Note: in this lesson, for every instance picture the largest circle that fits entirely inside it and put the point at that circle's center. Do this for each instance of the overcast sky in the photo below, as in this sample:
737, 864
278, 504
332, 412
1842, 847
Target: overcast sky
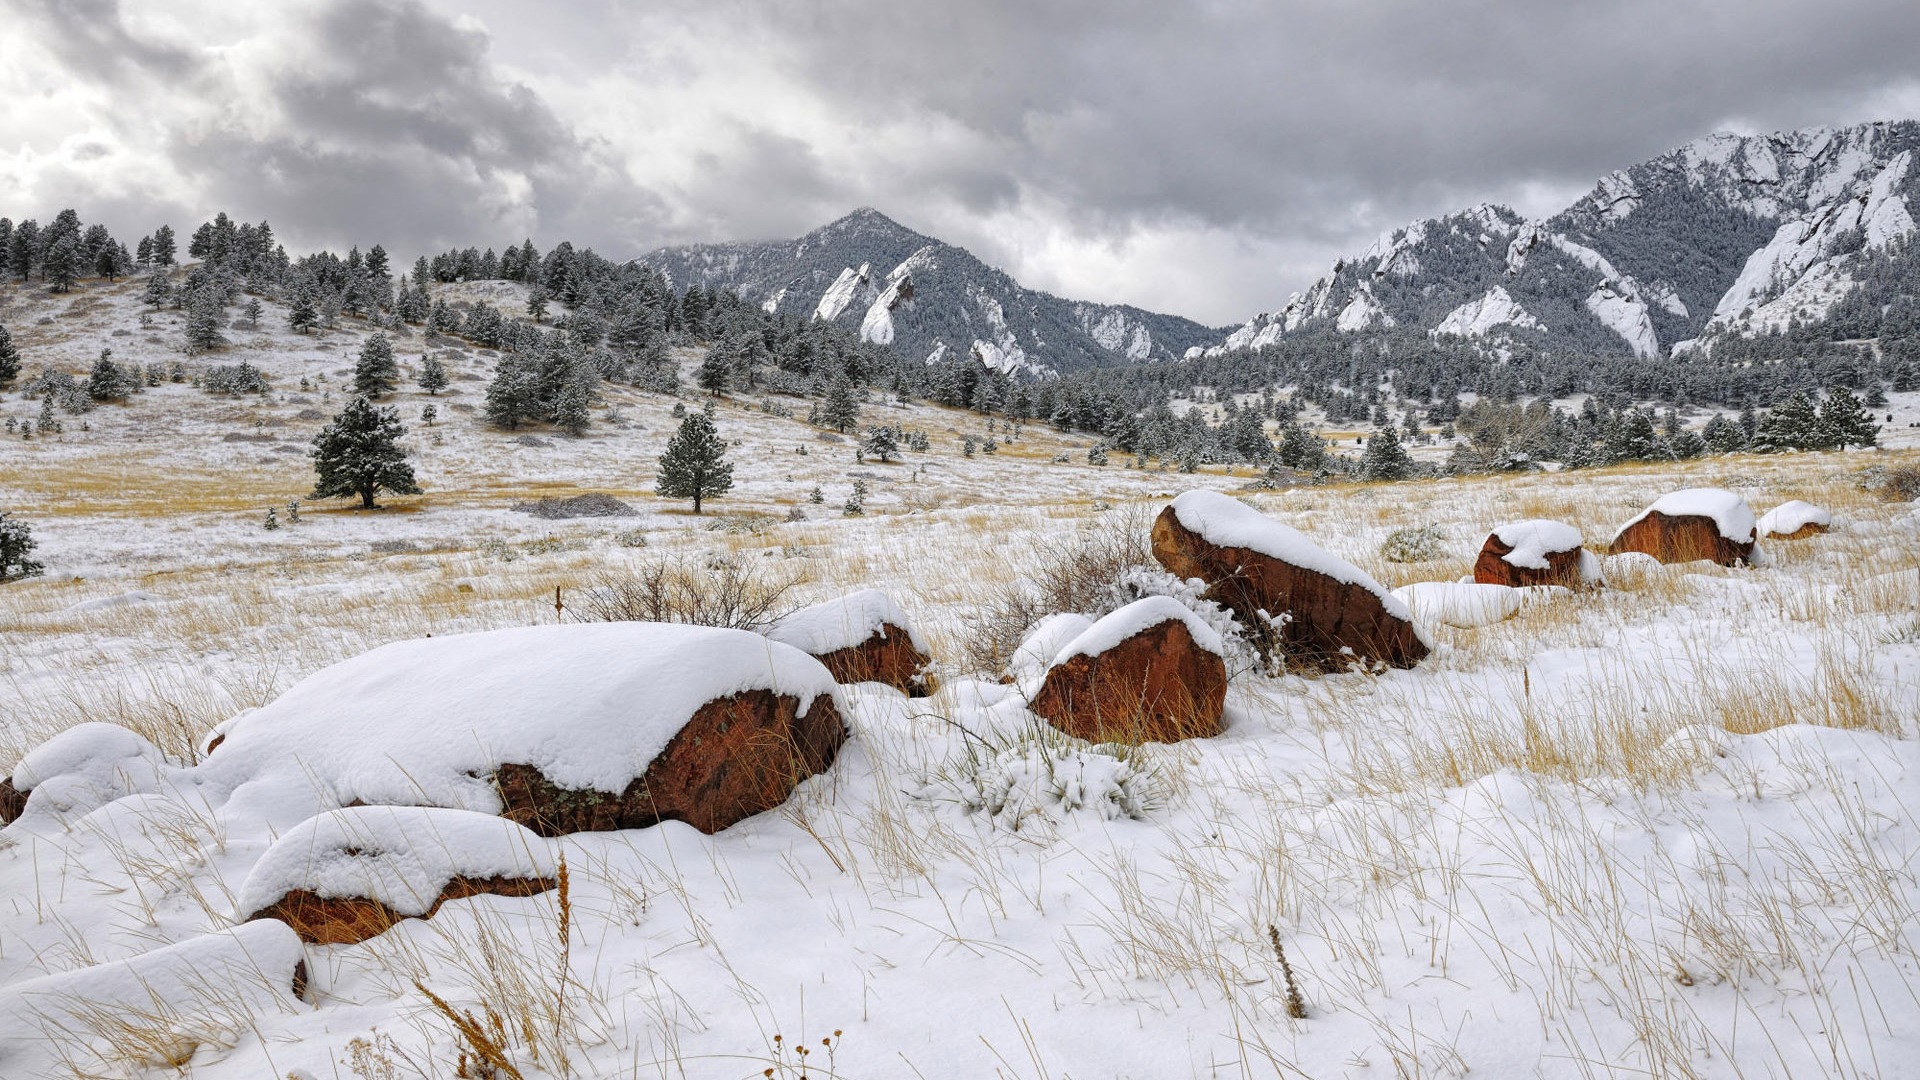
1205, 159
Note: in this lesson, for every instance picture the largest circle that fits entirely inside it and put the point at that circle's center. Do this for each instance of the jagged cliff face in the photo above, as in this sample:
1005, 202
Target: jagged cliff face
928, 299
1727, 234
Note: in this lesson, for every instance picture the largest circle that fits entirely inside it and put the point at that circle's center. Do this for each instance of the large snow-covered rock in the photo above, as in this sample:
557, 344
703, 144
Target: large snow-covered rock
1335, 613
1794, 520
1691, 525
861, 637
202, 993
1535, 552
1149, 672
1478, 318
349, 874
561, 728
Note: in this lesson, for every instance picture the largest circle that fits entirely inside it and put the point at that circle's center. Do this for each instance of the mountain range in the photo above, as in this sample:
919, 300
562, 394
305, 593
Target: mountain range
1726, 235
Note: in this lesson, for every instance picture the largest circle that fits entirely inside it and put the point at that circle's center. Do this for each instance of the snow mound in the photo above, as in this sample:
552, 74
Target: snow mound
1730, 513
402, 856
1045, 641
428, 722
1534, 539
86, 767
1790, 517
1143, 614
843, 623
204, 992
1224, 521
1458, 604
1035, 778
105, 603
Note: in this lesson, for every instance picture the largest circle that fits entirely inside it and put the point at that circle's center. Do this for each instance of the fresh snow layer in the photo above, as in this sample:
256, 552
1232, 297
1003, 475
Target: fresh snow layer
843, 623
203, 992
1465, 605
1791, 517
1626, 315
106, 603
1532, 541
1476, 318
1141, 615
402, 856
427, 722
1730, 512
84, 767
1044, 642
1224, 521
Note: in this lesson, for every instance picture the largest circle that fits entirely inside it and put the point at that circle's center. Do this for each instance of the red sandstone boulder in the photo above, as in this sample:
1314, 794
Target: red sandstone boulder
558, 728
347, 875
860, 637
1794, 520
1150, 672
1689, 526
1336, 613
1536, 552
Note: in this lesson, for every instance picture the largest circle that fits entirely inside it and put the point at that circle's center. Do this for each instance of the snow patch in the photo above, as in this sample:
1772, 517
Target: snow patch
1477, 317
1139, 616
1464, 605
843, 623
1533, 540
1362, 310
1044, 642
1627, 317
1790, 517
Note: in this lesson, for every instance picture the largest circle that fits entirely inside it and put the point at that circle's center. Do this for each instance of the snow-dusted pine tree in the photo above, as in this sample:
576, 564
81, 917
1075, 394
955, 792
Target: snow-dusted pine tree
16, 543
1385, 458
1843, 422
359, 454
376, 372
695, 465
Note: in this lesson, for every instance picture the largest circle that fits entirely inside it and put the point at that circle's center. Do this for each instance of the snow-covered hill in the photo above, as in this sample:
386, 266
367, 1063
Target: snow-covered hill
928, 299
1727, 234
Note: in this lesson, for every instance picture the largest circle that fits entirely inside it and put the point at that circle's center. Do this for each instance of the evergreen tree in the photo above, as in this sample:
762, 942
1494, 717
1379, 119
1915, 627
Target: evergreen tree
433, 375
1843, 422
1794, 424
1385, 458
695, 466
1723, 436
159, 290
203, 320
9, 359
513, 395
16, 543
252, 311
359, 454
570, 408
61, 267
302, 313
376, 372
881, 442
841, 409
109, 381
537, 303
1630, 437
163, 246
1302, 449
714, 371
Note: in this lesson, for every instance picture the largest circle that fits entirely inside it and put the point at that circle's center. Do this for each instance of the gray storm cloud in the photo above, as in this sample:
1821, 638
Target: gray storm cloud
1198, 158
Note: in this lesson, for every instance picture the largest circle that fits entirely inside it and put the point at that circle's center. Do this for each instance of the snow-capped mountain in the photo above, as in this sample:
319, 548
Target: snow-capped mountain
1726, 235
929, 300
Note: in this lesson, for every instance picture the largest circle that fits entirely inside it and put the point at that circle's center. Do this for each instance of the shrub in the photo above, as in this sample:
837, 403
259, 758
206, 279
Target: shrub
1423, 544
1075, 571
726, 592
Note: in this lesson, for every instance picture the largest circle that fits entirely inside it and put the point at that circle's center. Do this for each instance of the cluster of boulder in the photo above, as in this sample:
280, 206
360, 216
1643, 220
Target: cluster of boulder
426, 771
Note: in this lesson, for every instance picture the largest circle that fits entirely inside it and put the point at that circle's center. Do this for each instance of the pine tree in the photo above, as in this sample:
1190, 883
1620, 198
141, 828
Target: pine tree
16, 543
1385, 458
302, 313
62, 266
163, 246
252, 311
1723, 436
203, 321
537, 303
273, 520
841, 410
1793, 424
159, 289
695, 466
714, 372
109, 381
1301, 449
881, 442
1843, 422
1631, 438
433, 375
513, 395
9, 359
571, 408
359, 454
376, 372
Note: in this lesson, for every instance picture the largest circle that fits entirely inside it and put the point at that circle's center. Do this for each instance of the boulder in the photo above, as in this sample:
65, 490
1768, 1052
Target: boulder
1691, 525
1794, 520
860, 637
558, 728
1149, 672
347, 875
1536, 552
1336, 612
79, 770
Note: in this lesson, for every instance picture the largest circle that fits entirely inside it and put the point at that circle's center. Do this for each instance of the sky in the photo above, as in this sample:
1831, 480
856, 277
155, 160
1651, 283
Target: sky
1205, 159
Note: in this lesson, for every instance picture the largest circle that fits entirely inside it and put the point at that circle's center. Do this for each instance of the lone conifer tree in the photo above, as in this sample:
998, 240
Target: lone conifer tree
16, 543
9, 359
695, 466
375, 372
1385, 458
359, 454
433, 375
841, 410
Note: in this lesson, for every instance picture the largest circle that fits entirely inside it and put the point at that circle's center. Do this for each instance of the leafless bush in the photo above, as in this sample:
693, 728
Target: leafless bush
1897, 483
733, 592
1075, 571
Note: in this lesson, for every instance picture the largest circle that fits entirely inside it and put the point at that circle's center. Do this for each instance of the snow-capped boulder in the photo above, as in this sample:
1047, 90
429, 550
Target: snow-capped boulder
1794, 520
1149, 672
860, 637
1690, 525
79, 770
1535, 552
349, 874
1044, 642
1336, 613
1462, 604
199, 990
560, 728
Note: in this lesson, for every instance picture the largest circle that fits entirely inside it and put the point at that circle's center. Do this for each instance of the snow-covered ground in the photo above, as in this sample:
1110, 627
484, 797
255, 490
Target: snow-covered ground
1667, 827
